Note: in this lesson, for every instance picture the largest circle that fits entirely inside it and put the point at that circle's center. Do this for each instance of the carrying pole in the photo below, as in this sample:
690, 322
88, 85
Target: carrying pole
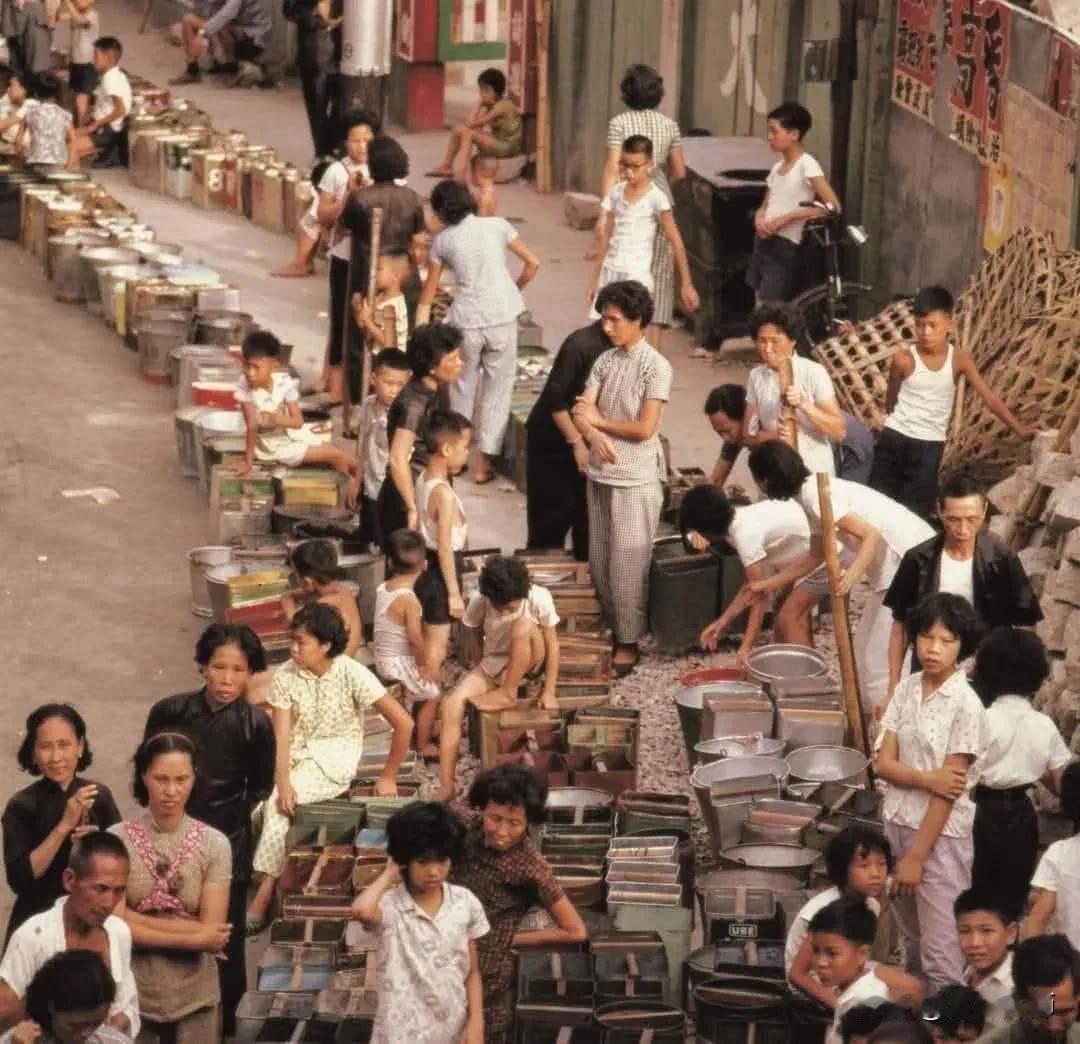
849, 680
786, 373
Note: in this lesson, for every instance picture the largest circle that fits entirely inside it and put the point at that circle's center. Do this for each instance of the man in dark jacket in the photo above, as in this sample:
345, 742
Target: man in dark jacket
963, 560
234, 745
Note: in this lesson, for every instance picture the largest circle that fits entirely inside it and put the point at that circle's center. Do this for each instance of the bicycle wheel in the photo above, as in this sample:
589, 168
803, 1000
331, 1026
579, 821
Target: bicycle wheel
856, 303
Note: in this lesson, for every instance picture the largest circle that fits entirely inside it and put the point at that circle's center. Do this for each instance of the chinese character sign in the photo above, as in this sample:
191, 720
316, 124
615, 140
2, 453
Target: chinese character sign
915, 67
976, 34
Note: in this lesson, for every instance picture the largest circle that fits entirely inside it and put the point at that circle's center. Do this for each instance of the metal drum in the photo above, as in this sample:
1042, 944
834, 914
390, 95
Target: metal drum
185, 362
65, 262
91, 261
59, 215
158, 333
36, 199
200, 561
223, 328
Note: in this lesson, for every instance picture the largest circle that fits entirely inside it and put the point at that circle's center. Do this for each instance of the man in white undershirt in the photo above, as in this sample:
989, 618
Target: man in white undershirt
964, 560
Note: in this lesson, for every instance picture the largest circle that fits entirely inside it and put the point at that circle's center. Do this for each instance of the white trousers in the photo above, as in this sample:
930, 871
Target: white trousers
870, 642
485, 388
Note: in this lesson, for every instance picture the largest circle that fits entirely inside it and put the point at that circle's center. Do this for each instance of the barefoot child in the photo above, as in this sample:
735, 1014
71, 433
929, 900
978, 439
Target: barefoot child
494, 127
315, 562
375, 323
840, 938
518, 639
309, 233
858, 861
270, 399
932, 732
400, 654
919, 401
390, 372
484, 169
319, 701
427, 932
633, 213
441, 521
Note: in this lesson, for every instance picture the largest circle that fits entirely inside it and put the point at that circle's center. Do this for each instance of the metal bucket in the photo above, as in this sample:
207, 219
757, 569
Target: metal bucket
690, 703
91, 261
113, 280
724, 819
827, 765
188, 361
213, 424
200, 561
158, 333
65, 265
187, 450
217, 585
708, 751
223, 328
776, 662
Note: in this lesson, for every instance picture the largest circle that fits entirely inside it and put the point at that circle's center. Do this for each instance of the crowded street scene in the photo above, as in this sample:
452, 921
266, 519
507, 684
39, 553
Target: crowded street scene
560, 521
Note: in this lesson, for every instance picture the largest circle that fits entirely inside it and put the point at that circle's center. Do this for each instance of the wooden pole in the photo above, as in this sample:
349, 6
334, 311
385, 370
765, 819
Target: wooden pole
849, 681
367, 349
786, 373
543, 107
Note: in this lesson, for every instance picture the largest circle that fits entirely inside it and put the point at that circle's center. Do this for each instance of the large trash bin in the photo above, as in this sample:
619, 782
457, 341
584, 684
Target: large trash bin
714, 209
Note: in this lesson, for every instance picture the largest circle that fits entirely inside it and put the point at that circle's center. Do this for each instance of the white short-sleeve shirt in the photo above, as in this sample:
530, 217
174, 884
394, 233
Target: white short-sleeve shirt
423, 963
114, 84
1022, 745
950, 721
537, 606
800, 927
763, 394
1059, 872
633, 233
792, 191
335, 182
900, 529
42, 936
773, 532
997, 990
374, 445
867, 989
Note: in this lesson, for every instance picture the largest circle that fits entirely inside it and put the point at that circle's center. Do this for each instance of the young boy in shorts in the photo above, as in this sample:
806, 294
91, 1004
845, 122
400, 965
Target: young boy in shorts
781, 219
494, 127
519, 639
82, 76
100, 137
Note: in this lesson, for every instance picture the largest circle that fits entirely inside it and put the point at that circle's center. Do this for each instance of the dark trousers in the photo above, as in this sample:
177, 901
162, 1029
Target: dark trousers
1006, 838
555, 501
232, 972
391, 509
906, 469
369, 520
314, 57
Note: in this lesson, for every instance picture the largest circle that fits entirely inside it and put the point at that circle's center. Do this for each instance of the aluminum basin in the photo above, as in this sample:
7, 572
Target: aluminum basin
827, 765
777, 662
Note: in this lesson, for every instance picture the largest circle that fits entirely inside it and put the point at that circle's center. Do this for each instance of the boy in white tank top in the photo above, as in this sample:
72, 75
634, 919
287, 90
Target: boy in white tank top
919, 402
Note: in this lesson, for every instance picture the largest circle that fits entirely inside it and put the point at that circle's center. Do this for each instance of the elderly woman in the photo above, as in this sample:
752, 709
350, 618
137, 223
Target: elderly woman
318, 701
642, 90
41, 822
177, 897
487, 303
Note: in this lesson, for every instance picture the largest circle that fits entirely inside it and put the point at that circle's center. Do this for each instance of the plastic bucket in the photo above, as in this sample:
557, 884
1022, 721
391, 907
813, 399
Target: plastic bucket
200, 561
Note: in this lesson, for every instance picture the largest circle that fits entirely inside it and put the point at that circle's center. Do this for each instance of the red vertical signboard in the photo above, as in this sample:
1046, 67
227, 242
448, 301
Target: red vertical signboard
916, 60
521, 55
1062, 92
977, 36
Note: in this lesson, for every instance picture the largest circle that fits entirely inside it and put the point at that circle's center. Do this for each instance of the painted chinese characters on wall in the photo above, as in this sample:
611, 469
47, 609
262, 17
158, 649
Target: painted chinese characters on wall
916, 61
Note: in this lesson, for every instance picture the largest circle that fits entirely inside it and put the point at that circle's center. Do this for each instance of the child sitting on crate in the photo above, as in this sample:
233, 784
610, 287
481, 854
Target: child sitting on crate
315, 563
427, 932
270, 400
519, 640
390, 372
858, 861
502, 866
841, 935
400, 654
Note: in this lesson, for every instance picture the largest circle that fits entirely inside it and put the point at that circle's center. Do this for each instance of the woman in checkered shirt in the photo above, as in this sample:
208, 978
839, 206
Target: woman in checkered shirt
642, 91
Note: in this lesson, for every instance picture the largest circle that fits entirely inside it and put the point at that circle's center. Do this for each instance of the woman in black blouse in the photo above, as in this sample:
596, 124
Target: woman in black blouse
434, 353
41, 822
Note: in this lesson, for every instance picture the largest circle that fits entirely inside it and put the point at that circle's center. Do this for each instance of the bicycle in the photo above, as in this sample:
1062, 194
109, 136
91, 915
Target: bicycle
837, 303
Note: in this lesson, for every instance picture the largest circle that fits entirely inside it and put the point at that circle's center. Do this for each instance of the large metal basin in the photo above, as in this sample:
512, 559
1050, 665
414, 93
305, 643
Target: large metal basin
827, 765
708, 751
775, 662
788, 859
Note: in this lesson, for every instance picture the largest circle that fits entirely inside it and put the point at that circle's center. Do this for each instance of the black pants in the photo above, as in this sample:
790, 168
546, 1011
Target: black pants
906, 469
1006, 837
391, 508
232, 972
555, 501
314, 58
369, 520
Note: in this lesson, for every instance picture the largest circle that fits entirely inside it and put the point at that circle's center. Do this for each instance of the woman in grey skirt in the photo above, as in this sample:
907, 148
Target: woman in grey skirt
642, 91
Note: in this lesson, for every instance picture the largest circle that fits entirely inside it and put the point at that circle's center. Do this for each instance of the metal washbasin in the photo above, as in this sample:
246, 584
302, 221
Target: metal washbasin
776, 662
708, 751
824, 764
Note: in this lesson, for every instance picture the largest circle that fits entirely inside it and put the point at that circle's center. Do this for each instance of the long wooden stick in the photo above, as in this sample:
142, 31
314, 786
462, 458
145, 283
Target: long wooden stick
786, 373
543, 107
367, 348
849, 680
